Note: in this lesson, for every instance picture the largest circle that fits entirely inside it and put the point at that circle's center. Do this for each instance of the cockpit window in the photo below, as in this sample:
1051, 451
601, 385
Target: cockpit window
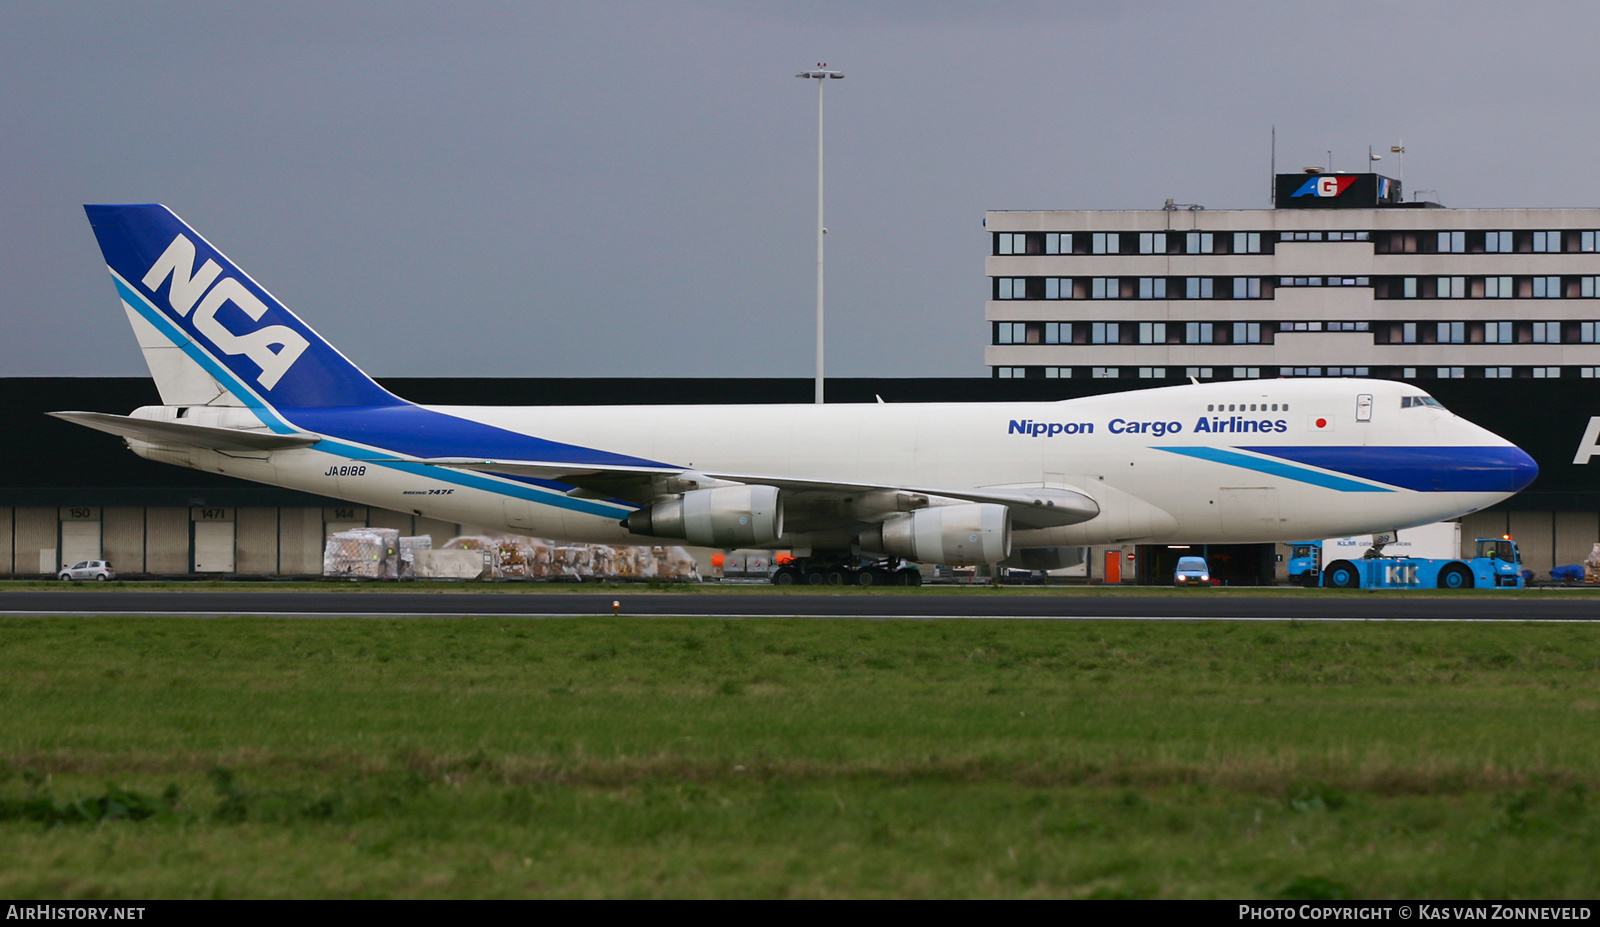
1417, 402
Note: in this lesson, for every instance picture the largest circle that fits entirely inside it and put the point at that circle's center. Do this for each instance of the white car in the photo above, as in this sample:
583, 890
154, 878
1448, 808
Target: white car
88, 569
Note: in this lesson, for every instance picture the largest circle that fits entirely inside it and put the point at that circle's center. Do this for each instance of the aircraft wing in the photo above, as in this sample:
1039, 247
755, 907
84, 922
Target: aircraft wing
207, 436
1031, 507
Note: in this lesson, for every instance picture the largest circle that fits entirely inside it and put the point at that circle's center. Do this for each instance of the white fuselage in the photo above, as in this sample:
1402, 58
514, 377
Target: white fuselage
1156, 472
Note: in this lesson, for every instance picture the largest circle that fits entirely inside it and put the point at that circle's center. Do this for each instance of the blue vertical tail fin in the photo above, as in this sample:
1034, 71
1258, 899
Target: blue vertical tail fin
212, 335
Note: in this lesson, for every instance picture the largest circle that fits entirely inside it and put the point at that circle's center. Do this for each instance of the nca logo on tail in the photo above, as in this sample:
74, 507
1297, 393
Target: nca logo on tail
1324, 186
190, 286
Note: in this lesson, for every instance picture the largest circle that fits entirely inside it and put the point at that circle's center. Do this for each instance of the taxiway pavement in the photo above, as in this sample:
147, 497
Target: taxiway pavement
971, 604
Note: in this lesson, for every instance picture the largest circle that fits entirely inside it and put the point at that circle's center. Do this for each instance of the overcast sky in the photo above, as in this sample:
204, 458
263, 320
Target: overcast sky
628, 189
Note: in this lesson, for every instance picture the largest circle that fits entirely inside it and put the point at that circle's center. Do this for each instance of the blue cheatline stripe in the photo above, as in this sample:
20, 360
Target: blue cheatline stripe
464, 478
1273, 467
473, 480
178, 337
1470, 468
400, 428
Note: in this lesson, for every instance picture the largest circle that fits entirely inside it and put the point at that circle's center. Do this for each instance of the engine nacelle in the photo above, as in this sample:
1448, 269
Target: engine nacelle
728, 516
956, 535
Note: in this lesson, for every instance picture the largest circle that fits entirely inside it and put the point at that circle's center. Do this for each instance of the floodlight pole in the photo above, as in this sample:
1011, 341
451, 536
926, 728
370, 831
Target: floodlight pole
821, 75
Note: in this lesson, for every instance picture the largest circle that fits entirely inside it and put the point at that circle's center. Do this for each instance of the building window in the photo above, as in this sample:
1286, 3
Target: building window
1547, 373
1246, 287
1452, 373
1104, 373
1497, 373
1586, 332
1106, 243
1300, 326
1011, 243
1058, 288
1197, 333
1152, 333
1058, 373
1058, 243
1058, 333
1497, 333
1246, 242
1105, 288
1587, 371
1547, 241
1585, 241
1104, 333
1452, 242
1152, 242
1199, 243
1197, 288
1497, 242
1011, 288
1246, 373
1349, 236
1347, 371
1587, 288
1011, 333
1152, 373
1011, 373
1152, 287
1247, 333
1547, 333
1408, 333
1452, 288
1408, 288
1197, 373
1349, 326
1546, 287
1498, 288
1452, 333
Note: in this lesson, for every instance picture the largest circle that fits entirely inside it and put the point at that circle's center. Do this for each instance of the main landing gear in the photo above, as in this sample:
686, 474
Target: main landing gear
816, 571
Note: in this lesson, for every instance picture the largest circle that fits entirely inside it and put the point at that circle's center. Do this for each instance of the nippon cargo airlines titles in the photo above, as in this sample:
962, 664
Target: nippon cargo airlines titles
1234, 424
248, 389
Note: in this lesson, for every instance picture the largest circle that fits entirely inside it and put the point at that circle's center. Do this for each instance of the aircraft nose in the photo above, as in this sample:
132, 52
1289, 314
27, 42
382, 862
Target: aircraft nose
1520, 469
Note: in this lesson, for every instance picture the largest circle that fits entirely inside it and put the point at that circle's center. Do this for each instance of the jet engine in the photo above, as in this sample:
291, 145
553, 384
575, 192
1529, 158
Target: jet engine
975, 532
727, 516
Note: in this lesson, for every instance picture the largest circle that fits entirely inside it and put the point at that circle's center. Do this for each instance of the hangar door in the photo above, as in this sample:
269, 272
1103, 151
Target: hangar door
80, 534
213, 539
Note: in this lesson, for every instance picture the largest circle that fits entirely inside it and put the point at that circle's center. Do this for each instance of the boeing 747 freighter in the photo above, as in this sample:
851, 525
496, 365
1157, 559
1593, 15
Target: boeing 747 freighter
250, 390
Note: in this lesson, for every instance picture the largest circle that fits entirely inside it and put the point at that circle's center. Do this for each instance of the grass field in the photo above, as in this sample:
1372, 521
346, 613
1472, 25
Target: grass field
617, 757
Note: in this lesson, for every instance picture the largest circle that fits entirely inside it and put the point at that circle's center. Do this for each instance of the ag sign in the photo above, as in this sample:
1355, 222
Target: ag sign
1335, 191
1324, 185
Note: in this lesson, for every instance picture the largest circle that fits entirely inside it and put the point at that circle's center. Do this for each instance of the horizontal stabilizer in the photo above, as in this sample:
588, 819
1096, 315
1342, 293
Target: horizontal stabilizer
207, 436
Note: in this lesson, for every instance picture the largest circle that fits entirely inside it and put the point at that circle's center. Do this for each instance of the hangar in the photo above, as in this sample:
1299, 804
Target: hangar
68, 493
